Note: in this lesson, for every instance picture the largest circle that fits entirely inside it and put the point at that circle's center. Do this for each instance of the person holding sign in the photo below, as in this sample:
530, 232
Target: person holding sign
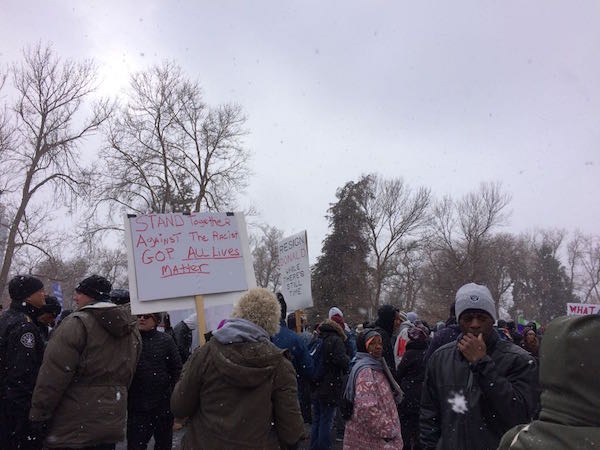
239, 390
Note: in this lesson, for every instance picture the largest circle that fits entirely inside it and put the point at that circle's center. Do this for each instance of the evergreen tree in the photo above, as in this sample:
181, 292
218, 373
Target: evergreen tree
340, 275
545, 290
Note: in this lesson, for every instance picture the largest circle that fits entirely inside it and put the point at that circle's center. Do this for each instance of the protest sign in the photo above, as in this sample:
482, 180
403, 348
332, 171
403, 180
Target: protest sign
582, 309
294, 270
175, 257
186, 254
57, 292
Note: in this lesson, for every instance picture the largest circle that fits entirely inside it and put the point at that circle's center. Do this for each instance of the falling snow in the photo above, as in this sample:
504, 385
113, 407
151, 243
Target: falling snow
458, 402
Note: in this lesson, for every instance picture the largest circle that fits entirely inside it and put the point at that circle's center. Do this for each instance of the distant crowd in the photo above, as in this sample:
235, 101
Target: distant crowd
96, 376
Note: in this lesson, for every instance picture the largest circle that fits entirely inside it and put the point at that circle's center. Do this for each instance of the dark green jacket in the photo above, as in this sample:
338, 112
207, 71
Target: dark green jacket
239, 395
82, 385
569, 370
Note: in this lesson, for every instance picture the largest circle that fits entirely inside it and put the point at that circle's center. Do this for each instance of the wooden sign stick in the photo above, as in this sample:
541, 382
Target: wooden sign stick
298, 321
200, 318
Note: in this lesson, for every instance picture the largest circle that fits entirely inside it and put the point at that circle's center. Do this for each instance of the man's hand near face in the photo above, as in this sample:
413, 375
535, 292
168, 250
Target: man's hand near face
473, 348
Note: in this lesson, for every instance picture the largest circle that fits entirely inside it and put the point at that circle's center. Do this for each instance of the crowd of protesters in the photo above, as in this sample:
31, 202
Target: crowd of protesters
96, 376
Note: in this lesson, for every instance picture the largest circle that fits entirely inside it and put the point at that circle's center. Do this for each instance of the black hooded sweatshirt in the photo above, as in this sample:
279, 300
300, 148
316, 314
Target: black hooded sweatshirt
384, 325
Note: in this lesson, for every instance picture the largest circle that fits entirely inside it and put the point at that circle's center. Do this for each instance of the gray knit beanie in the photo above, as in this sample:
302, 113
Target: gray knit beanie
475, 296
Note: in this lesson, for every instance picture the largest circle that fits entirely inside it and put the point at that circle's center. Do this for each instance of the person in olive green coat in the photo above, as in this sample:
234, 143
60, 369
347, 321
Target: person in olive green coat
80, 397
569, 369
239, 390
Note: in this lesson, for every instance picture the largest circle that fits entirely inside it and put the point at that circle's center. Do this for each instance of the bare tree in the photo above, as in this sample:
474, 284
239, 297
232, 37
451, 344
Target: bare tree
584, 265
111, 263
574, 255
394, 214
462, 244
66, 272
408, 278
265, 253
478, 213
40, 141
168, 151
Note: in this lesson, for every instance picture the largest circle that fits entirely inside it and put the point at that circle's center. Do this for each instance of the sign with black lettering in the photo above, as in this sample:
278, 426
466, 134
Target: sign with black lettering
294, 270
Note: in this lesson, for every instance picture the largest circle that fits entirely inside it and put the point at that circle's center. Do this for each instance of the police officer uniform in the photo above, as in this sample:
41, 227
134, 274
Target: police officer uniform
21, 353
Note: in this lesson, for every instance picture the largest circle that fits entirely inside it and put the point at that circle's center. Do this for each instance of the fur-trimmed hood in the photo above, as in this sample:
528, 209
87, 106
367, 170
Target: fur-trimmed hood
331, 326
259, 306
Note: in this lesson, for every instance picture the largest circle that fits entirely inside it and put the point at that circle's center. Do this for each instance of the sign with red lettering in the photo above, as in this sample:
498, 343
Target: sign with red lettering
294, 270
178, 255
582, 309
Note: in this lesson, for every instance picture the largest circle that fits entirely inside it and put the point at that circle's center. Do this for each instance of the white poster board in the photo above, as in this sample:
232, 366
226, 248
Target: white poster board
582, 309
212, 314
294, 271
215, 243
177, 254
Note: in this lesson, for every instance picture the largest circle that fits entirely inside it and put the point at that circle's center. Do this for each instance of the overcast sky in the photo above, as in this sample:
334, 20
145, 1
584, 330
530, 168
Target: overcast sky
444, 94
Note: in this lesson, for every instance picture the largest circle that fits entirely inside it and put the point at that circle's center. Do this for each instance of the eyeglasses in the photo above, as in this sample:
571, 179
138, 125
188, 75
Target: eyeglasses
145, 316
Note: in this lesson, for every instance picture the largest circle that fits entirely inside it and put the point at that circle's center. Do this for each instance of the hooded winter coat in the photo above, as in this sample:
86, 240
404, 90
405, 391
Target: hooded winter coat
468, 406
374, 424
569, 368
234, 388
87, 368
335, 363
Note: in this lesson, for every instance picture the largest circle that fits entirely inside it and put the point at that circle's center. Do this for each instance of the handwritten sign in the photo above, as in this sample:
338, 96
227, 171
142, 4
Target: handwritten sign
177, 255
295, 271
582, 309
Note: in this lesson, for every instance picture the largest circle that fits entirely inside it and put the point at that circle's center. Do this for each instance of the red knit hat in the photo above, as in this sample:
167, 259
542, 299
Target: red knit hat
338, 319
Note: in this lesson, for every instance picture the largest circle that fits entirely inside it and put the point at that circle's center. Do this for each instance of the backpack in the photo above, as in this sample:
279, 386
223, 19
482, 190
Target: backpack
315, 350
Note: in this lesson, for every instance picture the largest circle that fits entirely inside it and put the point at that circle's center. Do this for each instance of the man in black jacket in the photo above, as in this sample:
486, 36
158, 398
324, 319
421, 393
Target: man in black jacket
47, 315
447, 334
477, 387
328, 389
182, 333
387, 324
157, 372
21, 353
410, 374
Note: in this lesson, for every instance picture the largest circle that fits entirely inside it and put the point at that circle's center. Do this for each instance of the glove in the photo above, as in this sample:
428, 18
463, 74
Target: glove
38, 430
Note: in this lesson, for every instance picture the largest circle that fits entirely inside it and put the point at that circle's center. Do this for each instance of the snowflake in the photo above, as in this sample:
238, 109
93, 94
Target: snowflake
458, 402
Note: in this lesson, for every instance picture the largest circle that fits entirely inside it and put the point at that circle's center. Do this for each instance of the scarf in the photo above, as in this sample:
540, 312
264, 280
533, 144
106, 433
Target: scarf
363, 361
